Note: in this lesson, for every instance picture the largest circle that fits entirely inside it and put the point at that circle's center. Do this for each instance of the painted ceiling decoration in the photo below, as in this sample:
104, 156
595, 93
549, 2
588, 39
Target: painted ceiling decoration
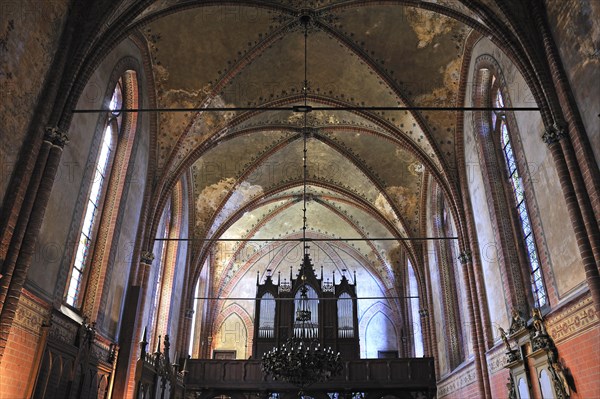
369, 169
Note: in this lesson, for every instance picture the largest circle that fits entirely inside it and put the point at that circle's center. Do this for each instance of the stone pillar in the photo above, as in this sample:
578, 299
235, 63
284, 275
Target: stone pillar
58, 140
552, 138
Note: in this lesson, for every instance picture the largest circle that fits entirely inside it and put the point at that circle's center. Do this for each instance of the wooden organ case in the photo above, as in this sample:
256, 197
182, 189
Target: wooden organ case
333, 307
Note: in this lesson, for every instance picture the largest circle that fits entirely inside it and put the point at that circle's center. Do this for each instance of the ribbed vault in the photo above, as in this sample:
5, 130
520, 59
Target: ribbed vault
365, 168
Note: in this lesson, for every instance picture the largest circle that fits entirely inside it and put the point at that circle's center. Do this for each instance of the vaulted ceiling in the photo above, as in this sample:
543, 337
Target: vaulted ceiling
367, 170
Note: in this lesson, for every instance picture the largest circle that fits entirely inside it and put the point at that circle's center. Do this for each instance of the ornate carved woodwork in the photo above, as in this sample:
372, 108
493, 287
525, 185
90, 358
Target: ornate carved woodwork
76, 362
334, 309
375, 378
535, 361
156, 376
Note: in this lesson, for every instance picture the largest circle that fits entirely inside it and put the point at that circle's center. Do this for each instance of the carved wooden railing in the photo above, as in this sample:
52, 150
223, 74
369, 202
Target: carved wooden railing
208, 378
156, 376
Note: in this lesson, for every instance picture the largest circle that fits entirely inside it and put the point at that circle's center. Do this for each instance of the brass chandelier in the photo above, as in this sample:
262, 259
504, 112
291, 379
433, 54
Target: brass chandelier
301, 360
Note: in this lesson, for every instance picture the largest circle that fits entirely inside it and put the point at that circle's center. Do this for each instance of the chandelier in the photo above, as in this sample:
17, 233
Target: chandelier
301, 360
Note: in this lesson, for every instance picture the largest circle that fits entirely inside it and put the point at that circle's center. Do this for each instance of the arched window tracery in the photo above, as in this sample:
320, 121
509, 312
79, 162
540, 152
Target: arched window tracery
520, 252
500, 126
93, 207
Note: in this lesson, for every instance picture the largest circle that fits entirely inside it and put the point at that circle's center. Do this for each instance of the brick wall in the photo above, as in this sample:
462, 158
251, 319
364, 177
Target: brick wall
17, 363
469, 392
498, 383
17, 369
581, 355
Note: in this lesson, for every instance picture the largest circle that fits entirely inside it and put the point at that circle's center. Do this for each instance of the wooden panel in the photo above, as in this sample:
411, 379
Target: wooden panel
414, 375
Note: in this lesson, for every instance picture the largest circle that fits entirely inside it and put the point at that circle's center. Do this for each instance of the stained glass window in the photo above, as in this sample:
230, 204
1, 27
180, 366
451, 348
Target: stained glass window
101, 171
516, 182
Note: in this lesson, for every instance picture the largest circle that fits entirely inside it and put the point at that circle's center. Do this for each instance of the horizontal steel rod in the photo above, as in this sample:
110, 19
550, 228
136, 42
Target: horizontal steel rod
308, 239
305, 110
310, 299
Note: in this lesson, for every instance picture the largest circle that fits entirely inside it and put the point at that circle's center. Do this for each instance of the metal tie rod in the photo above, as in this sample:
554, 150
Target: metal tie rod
310, 299
305, 109
308, 239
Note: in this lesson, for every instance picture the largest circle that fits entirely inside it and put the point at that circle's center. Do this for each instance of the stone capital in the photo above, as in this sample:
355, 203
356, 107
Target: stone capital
555, 133
147, 257
465, 257
56, 136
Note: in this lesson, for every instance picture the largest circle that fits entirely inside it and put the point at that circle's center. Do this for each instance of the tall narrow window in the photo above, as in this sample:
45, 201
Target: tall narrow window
413, 292
102, 170
500, 126
194, 317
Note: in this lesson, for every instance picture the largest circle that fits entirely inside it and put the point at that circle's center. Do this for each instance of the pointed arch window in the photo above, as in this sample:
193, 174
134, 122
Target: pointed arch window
94, 200
500, 126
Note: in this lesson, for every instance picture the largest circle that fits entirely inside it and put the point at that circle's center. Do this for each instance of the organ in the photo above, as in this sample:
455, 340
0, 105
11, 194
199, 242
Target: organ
333, 319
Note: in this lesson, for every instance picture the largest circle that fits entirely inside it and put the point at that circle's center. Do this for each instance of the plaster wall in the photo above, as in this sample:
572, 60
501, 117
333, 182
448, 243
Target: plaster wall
233, 336
25, 58
381, 335
575, 26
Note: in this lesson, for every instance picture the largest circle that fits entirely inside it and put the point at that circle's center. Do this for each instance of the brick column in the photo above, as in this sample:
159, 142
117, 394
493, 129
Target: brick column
424, 316
427, 303
476, 336
475, 265
552, 137
126, 389
58, 139
23, 218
